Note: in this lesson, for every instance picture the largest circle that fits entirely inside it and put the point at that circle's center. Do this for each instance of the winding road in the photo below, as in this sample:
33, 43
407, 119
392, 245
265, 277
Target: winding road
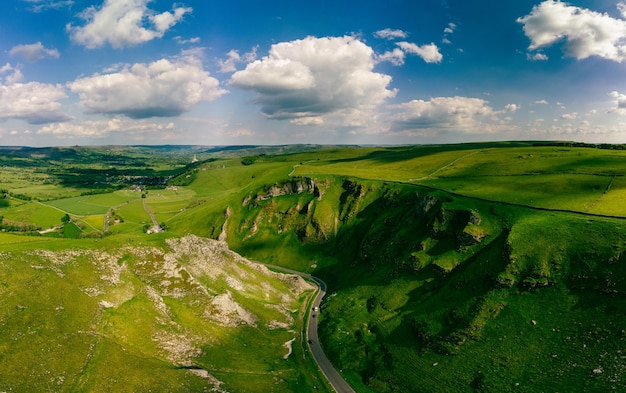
334, 378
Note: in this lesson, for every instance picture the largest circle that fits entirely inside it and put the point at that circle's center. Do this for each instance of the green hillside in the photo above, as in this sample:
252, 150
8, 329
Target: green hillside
476, 267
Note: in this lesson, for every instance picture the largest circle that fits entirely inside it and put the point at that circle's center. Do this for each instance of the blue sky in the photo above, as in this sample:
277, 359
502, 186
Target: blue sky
247, 72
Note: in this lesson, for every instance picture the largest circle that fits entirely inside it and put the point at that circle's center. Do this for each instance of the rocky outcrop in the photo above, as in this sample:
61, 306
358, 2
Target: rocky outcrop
295, 186
425, 204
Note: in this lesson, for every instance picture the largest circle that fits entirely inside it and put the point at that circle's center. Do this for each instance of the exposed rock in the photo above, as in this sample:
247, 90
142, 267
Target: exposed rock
425, 204
295, 186
226, 312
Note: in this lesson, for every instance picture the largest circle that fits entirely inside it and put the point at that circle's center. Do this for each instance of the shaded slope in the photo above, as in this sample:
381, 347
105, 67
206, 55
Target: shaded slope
448, 293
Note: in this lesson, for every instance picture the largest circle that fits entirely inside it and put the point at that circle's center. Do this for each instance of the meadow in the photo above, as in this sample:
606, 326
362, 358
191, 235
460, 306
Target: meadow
476, 267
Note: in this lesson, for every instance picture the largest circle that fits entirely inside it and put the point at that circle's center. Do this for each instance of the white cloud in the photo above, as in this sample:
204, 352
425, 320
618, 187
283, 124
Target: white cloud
511, 107
536, 56
448, 31
621, 6
429, 53
34, 102
585, 32
620, 103
160, 89
450, 28
230, 63
14, 74
462, 114
390, 34
123, 23
132, 129
33, 52
315, 77
395, 57
541, 102
42, 5
308, 121
181, 40
570, 116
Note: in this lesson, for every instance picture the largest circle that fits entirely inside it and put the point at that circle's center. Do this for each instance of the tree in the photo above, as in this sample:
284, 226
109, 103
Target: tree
66, 218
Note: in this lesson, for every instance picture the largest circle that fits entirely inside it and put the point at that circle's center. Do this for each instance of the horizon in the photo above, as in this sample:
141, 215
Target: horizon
159, 72
252, 145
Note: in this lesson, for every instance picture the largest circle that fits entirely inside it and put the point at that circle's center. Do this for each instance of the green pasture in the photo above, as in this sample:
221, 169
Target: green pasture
168, 203
216, 181
27, 181
391, 164
554, 191
94, 204
613, 201
553, 177
36, 213
498, 161
95, 222
134, 216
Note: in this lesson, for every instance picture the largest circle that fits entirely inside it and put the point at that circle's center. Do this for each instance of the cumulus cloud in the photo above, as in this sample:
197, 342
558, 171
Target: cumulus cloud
33, 52
511, 107
33, 102
585, 32
123, 23
233, 58
306, 80
536, 56
462, 114
395, 57
620, 103
13, 75
103, 128
160, 89
390, 34
429, 53
541, 102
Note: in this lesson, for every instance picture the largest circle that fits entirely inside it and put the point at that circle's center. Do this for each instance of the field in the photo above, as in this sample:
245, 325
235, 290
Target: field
477, 267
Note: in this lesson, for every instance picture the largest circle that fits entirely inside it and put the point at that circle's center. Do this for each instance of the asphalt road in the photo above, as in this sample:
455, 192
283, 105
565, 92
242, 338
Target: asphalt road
336, 380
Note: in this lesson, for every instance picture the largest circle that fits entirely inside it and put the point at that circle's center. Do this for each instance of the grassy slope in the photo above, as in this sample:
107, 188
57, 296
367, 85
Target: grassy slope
412, 309
533, 303
81, 315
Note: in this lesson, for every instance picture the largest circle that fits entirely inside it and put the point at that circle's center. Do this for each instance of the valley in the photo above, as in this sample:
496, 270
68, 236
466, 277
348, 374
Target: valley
474, 267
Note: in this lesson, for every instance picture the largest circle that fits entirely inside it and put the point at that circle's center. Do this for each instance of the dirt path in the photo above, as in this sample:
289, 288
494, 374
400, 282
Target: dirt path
447, 165
155, 224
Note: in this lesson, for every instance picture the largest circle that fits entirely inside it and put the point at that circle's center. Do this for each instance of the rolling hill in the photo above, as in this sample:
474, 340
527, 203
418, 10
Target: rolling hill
475, 267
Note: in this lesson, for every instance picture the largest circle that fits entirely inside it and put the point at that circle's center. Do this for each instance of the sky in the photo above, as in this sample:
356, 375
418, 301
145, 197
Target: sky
241, 72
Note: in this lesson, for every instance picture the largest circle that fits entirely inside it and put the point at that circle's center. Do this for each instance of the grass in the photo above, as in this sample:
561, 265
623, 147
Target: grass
555, 191
93, 204
440, 279
59, 296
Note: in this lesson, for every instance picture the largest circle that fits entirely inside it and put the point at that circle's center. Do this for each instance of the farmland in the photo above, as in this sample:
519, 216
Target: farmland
474, 267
